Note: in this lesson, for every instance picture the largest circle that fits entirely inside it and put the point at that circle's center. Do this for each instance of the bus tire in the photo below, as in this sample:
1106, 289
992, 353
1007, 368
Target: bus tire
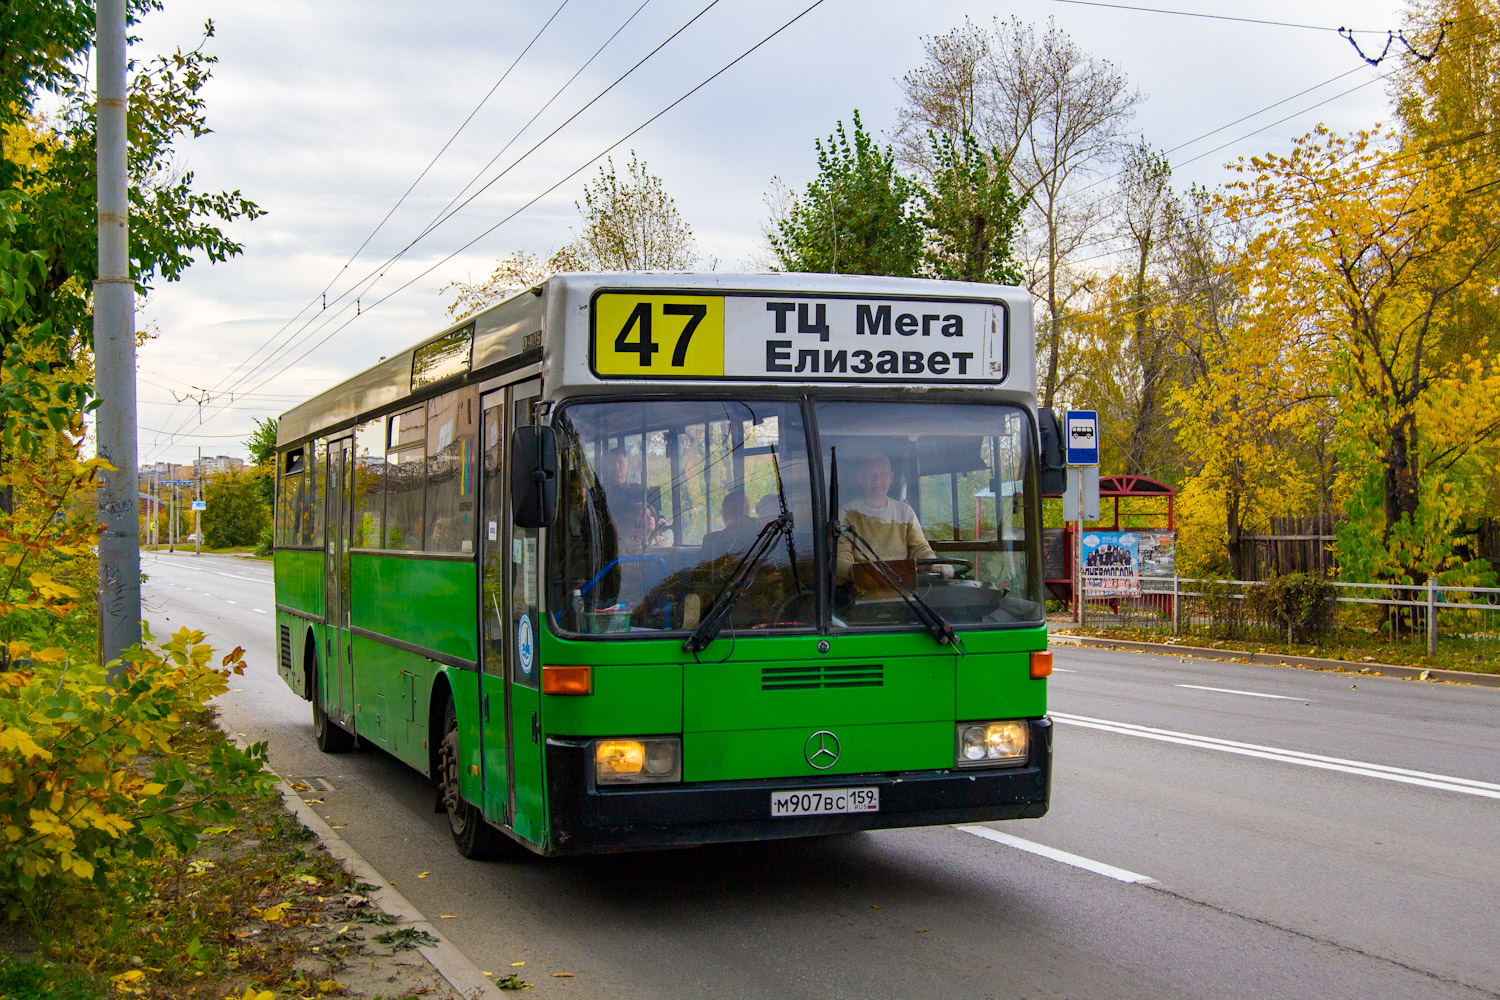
472, 833
330, 736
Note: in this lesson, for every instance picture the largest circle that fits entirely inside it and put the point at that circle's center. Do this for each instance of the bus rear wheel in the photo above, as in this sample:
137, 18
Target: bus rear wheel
330, 736
472, 834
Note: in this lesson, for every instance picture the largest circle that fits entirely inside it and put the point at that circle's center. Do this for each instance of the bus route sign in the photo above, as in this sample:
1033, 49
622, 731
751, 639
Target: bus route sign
789, 337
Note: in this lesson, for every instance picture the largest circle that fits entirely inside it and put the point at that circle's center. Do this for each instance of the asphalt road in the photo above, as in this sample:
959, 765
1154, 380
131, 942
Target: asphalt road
1217, 830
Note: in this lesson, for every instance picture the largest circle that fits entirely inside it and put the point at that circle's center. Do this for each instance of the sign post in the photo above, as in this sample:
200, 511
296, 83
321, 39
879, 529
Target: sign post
1082, 432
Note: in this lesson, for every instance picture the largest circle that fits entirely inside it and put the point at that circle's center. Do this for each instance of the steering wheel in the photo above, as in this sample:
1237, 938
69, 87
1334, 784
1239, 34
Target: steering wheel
961, 567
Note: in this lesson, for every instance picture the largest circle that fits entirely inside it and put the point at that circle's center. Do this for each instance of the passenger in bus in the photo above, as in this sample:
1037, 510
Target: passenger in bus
768, 507
618, 488
739, 528
639, 529
888, 525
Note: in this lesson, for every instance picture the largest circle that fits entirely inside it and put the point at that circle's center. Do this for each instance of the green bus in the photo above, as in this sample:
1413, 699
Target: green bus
643, 560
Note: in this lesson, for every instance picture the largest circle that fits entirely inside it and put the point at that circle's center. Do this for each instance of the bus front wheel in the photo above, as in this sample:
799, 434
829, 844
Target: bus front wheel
473, 836
331, 737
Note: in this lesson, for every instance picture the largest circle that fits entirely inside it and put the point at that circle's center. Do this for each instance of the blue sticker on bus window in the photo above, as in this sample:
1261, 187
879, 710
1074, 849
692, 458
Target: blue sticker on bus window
525, 645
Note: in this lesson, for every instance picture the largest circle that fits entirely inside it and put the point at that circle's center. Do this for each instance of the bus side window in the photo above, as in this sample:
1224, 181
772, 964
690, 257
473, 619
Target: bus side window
405, 480
311, 530
450, 472
369, 485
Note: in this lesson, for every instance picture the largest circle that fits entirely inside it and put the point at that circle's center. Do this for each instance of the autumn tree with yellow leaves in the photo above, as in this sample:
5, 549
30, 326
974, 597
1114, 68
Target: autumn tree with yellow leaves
1361, 270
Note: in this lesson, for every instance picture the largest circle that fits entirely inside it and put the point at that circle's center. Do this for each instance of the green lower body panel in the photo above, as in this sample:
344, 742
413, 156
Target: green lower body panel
845, 749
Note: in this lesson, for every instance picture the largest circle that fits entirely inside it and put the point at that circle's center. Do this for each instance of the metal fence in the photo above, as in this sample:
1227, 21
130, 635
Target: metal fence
1460, 623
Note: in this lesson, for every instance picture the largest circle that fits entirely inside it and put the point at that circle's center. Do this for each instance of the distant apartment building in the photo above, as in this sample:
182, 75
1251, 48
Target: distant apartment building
222, 463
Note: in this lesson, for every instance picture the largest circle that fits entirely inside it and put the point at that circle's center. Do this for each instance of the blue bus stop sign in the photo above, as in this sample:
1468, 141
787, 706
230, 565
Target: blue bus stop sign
1083, 437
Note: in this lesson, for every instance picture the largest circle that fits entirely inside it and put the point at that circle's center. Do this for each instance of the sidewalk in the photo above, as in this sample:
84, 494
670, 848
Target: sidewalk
1282, 660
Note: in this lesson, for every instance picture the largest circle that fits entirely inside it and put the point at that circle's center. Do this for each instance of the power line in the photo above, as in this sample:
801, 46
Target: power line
158, 430
1377, 79
386, 218
1218, 17
376, 273
575, 172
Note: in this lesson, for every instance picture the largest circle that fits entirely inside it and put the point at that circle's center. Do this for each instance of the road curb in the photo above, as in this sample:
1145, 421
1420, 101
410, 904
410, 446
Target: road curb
1279, 660
450, 963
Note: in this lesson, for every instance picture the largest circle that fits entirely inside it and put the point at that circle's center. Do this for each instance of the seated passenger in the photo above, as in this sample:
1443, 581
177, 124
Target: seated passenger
739, 528
639, 528
889, 526
768, 507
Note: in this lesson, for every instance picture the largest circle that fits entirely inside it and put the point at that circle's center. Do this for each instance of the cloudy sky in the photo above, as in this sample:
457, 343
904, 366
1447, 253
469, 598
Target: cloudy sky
326, 112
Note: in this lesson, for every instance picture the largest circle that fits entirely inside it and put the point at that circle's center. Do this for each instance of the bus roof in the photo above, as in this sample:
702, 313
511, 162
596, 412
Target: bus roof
623, 330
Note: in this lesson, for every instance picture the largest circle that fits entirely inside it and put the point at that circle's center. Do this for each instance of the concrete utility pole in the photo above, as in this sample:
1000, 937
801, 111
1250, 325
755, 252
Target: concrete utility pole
114, 353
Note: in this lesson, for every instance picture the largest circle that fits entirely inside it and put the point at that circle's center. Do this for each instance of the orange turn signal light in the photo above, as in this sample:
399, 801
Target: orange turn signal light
567, 680
1041, 664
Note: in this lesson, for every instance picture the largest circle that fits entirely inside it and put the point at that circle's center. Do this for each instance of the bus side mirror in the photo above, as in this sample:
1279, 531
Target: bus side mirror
1052, 470
533, 476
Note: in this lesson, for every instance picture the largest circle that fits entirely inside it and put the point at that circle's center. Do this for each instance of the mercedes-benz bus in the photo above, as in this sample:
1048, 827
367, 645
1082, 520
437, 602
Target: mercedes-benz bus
640, 560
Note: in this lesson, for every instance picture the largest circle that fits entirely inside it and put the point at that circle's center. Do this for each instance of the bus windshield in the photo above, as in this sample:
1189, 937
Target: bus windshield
936, 492
662, 499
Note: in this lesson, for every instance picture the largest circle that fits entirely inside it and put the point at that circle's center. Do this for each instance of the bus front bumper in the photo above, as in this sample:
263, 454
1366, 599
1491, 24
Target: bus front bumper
585, 819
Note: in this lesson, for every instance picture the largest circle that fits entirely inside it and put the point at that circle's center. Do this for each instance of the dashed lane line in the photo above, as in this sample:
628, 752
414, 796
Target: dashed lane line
1053, 854
1248, 694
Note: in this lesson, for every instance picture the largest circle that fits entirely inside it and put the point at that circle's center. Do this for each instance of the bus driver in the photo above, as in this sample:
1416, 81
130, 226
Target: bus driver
887, 524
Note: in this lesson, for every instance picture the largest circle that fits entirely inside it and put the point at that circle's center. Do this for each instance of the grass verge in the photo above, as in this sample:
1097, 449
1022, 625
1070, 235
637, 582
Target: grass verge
257, 911
1451, 654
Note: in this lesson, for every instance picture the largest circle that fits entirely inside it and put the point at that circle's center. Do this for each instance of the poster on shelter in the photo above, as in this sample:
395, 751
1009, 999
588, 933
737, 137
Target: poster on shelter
1158, 554
1111, 564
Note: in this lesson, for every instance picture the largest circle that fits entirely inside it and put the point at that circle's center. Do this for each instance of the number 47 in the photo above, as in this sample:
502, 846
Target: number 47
644, 345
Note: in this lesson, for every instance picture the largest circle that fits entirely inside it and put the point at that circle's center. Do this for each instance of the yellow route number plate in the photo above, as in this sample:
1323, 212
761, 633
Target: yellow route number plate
658, 336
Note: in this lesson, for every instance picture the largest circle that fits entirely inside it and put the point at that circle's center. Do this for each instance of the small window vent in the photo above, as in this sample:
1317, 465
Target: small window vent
286, 650
817, 676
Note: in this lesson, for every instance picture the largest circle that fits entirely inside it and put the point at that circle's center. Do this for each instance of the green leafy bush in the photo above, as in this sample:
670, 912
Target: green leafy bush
1299, 605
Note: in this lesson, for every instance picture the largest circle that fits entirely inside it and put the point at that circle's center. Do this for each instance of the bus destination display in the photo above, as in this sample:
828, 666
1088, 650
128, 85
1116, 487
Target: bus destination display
796, 338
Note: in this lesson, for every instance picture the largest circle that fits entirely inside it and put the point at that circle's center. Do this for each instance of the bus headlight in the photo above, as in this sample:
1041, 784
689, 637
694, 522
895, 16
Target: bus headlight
982, 743
643, 761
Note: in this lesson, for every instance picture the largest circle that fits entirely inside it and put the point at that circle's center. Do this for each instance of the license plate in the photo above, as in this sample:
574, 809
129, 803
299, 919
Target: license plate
825, 801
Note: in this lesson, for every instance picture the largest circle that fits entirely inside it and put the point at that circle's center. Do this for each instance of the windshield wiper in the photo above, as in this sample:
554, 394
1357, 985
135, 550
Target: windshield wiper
931, 620
718, 609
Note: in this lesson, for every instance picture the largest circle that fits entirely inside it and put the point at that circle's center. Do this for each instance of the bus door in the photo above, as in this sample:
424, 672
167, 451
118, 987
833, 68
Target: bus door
337, 654
523, 646
510, 668
494, 693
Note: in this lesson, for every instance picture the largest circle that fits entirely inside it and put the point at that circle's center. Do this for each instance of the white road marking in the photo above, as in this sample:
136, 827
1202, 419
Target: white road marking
1052, 853
228, 601
236, 576
259, 611
1248, 694
1063, 670
1441, 782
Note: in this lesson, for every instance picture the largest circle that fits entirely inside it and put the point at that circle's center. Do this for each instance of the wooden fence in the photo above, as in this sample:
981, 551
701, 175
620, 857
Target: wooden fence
1293, 545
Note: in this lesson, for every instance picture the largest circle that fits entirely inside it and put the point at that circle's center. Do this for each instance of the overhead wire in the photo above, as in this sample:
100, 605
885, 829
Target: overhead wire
375, 274
443, 217
555, 185
1376, 79
411, 187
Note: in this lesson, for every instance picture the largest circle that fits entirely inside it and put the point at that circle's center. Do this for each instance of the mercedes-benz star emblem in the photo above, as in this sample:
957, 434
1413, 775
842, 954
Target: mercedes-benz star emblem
822, 750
